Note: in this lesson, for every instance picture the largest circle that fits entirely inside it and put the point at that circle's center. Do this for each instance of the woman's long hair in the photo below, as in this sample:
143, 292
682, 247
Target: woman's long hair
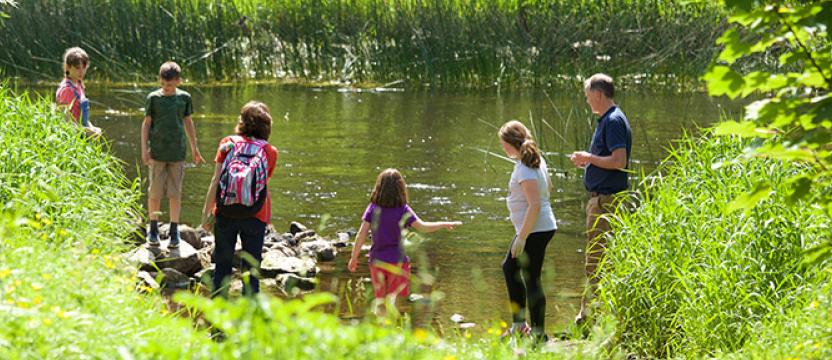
517, 135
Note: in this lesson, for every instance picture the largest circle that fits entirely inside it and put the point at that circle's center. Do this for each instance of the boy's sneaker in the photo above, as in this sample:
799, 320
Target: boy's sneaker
174, 241
153, 240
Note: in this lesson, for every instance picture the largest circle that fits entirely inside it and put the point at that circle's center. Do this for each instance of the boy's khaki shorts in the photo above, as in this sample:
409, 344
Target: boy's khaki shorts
166, 179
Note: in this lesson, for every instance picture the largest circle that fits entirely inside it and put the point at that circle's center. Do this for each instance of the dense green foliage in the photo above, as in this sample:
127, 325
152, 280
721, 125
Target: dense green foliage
481, 43
685, 278
793, 105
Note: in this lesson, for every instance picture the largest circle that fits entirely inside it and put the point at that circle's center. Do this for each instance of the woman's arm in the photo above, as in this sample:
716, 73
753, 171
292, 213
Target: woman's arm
532, 194
211, 199
431, 226
360, 238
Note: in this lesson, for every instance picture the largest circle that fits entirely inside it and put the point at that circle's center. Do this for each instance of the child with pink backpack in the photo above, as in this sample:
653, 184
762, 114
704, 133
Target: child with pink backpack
238, 201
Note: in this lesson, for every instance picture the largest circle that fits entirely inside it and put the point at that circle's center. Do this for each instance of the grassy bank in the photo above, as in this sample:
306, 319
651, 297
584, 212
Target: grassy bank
66, 210
689, 278
478, 43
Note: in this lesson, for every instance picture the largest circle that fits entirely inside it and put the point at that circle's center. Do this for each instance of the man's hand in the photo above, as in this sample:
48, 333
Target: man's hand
580, 158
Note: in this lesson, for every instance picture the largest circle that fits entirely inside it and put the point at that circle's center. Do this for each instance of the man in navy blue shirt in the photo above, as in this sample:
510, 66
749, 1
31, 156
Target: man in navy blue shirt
606, 175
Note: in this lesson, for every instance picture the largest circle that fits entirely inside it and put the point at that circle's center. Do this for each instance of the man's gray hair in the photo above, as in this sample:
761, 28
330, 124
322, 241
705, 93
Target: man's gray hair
600, 82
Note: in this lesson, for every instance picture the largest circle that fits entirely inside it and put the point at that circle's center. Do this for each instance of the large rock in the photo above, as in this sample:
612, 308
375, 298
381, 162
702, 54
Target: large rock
284, 250
276, 263
147, 280
304, 236
323, 250
288, 282
184, 259
173, 279
296, 227
191, 236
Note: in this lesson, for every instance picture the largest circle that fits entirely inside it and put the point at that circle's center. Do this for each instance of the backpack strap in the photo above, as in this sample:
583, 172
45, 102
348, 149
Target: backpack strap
74, 89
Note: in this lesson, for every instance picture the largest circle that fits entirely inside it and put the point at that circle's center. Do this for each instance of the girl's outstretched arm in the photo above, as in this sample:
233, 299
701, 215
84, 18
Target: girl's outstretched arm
431, 226
360, 238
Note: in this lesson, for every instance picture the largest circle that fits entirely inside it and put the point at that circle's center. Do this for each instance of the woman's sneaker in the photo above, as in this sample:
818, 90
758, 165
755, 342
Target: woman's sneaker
521, 331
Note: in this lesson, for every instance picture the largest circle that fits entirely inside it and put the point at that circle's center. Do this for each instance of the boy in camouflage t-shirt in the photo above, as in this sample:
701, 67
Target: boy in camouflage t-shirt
167, 120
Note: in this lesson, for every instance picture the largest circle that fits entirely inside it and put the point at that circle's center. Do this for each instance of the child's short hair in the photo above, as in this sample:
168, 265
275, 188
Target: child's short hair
255, 121
390, 190
170, 71
76, 56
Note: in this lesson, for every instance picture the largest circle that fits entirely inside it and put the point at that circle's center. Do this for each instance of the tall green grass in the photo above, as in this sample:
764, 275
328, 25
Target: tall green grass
479, 43
688, 278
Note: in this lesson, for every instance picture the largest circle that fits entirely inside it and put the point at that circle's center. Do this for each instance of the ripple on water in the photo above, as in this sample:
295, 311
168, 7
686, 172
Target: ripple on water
420, 186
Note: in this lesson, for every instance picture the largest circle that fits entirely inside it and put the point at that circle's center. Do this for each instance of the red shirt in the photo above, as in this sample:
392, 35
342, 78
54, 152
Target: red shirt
65, 96
265, 212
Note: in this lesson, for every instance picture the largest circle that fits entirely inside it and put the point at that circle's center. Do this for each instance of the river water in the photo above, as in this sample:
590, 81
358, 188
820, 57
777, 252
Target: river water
333, 143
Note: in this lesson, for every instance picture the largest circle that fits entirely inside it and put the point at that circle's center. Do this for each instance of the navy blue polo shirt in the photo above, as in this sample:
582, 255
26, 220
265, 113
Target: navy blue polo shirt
613, 132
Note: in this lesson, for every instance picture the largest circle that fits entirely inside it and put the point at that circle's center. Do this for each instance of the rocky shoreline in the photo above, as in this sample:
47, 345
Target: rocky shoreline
289, 262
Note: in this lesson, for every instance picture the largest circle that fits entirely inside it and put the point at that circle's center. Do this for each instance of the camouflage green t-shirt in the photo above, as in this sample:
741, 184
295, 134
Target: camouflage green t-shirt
167, 127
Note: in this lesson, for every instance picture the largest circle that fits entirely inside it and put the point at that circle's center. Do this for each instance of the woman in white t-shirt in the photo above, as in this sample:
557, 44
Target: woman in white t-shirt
534, 226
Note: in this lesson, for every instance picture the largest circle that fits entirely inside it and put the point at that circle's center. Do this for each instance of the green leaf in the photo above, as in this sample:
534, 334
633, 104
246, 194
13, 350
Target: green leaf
740, 5
722, 80
734, 46
818, 254
764, 81
747, 201
743, 129
812, 78
778, 151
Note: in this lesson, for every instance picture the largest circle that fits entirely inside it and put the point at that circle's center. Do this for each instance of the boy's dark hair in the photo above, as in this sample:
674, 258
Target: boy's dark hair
75, 56
601, 82
390, 190
255, 121
170, 71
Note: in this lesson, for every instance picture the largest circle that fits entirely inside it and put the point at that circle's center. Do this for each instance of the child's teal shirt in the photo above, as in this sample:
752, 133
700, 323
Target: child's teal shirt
167, 127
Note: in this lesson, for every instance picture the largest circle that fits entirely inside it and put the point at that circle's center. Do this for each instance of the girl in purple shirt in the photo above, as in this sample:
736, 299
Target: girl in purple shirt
386, 215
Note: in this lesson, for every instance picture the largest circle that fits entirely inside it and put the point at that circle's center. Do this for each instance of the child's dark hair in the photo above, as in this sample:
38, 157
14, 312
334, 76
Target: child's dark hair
170, 71
517, 135
75, 56
255, 121
390, 190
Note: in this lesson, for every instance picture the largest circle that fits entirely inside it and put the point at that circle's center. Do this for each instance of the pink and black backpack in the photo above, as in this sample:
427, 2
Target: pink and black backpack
243, 179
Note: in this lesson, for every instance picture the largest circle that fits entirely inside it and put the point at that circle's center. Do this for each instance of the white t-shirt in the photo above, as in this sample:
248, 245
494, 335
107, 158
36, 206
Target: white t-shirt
516, 200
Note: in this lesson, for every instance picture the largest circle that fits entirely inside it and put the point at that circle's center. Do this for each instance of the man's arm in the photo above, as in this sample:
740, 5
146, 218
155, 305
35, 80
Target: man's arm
616, 161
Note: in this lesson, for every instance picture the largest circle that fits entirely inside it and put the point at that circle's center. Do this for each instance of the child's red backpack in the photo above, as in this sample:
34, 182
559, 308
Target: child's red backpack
243, 179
